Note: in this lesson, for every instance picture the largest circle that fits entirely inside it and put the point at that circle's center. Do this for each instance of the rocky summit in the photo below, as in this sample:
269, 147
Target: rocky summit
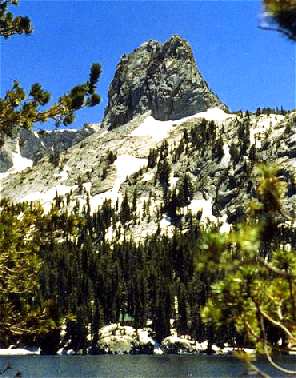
162, 78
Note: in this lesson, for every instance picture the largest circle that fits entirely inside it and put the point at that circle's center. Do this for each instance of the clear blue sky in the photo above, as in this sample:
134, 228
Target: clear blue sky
247, 67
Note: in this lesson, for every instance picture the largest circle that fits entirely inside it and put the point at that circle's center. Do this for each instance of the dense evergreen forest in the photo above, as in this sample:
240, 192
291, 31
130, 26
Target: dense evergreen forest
58, 272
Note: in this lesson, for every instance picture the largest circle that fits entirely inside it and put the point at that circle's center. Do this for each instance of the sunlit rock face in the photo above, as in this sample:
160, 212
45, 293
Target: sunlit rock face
159, 77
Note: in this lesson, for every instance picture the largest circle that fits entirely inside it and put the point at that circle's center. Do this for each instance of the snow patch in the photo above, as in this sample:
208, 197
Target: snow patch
158, 130
19, 351
87, 186
116, 338
173, 181
225, 227
165, 222
109, 234
148, 176
158, 350
182, 342
95, 127
214, 114
126, 165
20, 163
144, 337
62, 130
205, 206
226, 158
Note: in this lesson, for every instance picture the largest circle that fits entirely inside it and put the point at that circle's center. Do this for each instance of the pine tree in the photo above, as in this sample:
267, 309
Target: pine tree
234, 153
134, 202
111, 157
255, 287
252, 153
218, 150
163, 172
182, 324
19, 273
125, 212
171, 204
185, 192
152, 158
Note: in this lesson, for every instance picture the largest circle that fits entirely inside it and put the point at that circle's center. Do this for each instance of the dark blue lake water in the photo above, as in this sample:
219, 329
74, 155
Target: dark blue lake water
127, 366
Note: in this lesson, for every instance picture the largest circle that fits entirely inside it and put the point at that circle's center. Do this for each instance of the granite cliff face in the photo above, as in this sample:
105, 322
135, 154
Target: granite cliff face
161, 78
32, 146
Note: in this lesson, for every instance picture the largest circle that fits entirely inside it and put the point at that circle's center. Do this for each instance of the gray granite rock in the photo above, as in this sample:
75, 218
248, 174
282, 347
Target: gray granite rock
5, 160
34, 145
6, 152
159, 77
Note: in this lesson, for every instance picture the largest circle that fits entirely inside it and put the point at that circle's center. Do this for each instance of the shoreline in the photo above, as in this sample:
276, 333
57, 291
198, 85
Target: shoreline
15, 352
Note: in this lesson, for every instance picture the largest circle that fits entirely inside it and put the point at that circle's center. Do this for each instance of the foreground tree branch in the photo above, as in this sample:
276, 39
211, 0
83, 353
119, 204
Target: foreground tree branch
280, 16
267, 353
277, 324
275, 270
10, 25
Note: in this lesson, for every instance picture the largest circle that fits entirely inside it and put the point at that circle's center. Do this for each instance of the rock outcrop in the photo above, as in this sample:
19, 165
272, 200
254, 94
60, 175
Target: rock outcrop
115, 338
161, 78
31, 145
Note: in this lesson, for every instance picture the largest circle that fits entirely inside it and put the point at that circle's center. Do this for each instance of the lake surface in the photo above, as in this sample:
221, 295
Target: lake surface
133, 366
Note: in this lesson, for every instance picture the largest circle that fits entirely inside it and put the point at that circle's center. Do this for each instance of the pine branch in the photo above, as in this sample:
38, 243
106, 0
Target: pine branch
266, 351
275, 270
277, 323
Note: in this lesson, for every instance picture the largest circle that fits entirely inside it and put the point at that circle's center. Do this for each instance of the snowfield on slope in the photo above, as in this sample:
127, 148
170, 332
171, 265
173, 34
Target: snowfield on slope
214, 114
158, 130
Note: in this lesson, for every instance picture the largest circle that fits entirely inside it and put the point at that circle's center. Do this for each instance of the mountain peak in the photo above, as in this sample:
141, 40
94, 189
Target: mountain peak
161, 78
178, 47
